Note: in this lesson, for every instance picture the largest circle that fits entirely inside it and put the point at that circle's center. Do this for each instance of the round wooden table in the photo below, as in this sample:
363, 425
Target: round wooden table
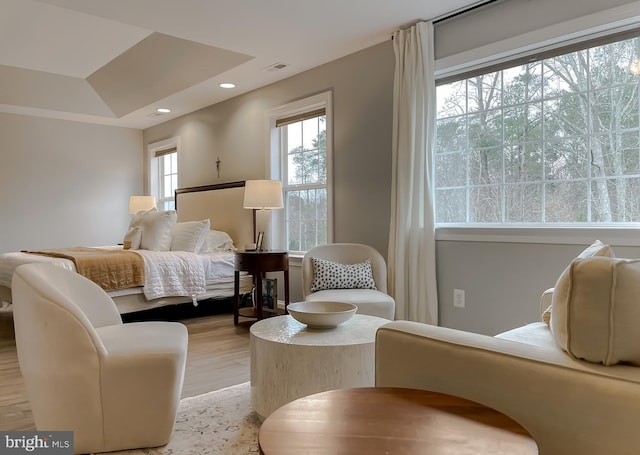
381, 420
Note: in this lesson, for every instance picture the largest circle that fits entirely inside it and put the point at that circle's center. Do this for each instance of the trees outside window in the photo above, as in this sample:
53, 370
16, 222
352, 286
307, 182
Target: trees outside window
168, 179
305, 186
550, 141
163, 172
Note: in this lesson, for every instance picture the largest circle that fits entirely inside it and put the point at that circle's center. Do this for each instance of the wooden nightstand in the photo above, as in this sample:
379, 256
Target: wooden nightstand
257, 263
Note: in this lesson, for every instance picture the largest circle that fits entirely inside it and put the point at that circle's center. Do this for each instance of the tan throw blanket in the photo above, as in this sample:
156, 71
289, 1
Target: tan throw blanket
110, 269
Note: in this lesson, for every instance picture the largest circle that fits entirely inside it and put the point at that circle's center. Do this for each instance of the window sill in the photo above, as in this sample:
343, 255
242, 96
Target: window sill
628, 235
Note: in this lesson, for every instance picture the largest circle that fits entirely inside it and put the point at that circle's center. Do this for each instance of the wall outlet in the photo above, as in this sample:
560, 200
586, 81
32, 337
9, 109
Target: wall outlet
458, 298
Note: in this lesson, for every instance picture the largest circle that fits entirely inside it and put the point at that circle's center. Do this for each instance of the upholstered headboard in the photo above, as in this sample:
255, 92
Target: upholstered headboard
222, 205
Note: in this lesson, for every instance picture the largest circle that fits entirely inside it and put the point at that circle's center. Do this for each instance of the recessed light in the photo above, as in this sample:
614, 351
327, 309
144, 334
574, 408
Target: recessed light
163, 110
227, 85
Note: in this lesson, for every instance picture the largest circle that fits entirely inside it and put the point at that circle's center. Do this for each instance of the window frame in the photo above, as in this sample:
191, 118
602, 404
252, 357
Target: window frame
581, 32
155, 185
277, 162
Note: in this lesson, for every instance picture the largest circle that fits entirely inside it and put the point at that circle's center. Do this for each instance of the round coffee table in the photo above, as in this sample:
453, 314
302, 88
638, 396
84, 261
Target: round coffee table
381, 420
290, 360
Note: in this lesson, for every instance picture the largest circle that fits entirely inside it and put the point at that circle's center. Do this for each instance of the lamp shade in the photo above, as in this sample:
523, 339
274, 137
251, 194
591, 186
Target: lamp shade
263, 194
141, 203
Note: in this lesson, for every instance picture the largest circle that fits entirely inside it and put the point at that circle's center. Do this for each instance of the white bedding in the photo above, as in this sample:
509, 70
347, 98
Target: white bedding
167, 273
172, 274
10, 261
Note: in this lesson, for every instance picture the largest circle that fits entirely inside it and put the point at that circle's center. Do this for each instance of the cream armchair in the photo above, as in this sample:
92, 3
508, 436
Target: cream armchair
373, 302
116, 386
569, 406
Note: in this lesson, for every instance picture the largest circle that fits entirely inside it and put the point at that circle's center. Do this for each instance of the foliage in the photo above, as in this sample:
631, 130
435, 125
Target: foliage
554, 140
307, 196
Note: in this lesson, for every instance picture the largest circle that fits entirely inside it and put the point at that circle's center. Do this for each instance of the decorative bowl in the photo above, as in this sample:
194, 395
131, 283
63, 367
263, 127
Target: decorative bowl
322, 315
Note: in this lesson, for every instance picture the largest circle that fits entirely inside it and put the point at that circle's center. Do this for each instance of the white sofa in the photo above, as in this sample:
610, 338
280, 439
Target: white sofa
569, 406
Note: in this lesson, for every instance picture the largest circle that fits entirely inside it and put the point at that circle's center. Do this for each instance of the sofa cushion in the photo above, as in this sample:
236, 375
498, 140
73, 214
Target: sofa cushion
369, 301
534, 334
595, 310
597, 248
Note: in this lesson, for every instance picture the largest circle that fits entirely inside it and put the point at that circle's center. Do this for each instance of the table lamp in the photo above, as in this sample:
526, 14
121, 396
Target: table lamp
141, 203
262, 196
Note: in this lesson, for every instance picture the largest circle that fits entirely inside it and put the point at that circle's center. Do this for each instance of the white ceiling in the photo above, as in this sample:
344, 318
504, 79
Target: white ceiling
115, 61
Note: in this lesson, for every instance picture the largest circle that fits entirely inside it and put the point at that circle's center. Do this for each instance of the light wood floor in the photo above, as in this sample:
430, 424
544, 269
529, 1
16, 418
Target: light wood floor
218, 357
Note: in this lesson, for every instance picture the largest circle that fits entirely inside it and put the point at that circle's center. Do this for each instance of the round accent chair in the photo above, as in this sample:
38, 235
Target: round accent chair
350, 273
116, 386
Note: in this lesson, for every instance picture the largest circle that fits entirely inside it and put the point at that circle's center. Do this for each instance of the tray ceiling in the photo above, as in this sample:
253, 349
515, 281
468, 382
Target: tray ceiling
114, 62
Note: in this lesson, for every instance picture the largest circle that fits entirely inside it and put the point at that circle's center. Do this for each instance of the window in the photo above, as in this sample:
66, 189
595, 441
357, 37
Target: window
164, 173
556, 140
300, 157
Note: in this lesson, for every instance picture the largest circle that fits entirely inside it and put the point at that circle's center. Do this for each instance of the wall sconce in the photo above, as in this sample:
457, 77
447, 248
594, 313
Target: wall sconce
141, 204
262, 196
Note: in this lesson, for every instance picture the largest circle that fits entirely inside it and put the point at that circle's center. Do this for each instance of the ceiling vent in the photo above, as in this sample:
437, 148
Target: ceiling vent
275, 67
155, 114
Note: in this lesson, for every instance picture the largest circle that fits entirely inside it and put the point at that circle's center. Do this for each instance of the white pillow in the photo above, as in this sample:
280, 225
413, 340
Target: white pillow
134, 235
597, 248
132, 238
333, 275
157, 230
596, 312
218, 241
190, 235
138, 217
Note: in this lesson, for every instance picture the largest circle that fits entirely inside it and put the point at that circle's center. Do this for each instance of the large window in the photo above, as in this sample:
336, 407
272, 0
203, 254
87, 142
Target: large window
302, 152
549, 141
163, 158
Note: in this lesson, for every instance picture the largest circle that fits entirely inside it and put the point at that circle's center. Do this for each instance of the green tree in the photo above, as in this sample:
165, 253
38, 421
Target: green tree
311, 164
307, 206
563, 130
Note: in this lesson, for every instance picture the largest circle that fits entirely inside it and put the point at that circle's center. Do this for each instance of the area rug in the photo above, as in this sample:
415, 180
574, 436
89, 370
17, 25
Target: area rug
220, 422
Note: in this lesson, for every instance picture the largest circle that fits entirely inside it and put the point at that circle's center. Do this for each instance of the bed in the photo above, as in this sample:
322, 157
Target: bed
170, 277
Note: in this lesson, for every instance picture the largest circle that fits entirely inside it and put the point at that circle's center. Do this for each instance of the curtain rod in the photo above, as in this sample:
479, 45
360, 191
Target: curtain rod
461, 11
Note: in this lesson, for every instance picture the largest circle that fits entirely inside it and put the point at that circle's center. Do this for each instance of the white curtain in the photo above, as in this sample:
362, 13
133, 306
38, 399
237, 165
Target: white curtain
411, 255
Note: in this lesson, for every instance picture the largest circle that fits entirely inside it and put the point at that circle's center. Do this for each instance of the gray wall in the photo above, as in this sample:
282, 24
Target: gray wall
503, 281
65, 183
236, 131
